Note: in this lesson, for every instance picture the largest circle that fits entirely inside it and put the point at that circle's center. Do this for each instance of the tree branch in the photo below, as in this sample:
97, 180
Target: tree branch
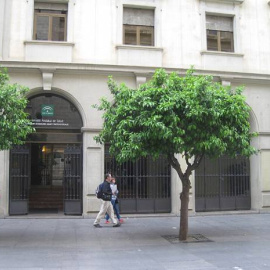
186, 158
196, 163
175, 164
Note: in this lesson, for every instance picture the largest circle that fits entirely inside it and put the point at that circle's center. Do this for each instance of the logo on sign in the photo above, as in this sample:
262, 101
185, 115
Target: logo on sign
47, 110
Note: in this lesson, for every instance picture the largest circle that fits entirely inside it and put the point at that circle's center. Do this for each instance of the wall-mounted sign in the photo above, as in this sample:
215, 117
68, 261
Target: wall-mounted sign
50, 123
51, 111
47, 110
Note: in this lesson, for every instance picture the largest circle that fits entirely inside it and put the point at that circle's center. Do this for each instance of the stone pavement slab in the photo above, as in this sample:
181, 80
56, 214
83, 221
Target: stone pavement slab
239, 242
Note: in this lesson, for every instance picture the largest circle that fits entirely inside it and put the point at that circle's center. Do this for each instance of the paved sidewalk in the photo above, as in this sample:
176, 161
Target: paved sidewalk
240, 242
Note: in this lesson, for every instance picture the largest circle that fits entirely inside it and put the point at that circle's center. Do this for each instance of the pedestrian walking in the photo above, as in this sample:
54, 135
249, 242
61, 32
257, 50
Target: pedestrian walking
114, 202
106, 205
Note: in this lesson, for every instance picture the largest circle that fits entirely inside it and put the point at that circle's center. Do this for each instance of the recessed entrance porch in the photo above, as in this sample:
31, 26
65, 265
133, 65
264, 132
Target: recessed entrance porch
46, 172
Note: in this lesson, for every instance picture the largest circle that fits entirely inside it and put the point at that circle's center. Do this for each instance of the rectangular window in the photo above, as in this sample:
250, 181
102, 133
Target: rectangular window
219, 32
138, 26
50, 22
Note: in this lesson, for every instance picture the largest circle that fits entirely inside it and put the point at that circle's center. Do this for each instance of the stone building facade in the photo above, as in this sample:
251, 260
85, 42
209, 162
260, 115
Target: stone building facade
64, 51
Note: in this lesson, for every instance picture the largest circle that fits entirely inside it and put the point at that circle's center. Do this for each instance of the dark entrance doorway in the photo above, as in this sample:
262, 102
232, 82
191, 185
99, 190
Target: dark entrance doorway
47, 178
144, 185
46, 173
223, 184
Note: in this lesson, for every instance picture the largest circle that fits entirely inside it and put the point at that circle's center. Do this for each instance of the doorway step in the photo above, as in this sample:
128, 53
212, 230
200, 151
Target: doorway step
46, 198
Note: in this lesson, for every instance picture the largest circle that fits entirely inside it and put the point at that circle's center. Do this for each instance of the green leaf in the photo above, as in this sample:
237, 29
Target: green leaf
170, 114
15, 124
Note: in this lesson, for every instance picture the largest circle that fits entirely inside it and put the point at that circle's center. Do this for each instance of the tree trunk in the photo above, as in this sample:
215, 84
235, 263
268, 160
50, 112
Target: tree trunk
184, 197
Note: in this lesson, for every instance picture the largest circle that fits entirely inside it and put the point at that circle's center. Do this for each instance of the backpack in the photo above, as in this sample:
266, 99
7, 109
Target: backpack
99, 191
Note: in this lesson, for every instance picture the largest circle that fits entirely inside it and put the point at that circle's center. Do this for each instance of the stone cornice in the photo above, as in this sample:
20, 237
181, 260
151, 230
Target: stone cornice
128, 71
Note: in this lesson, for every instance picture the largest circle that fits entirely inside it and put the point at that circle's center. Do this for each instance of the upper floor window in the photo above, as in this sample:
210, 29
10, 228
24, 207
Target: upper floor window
138, 26
219, 31
50, 22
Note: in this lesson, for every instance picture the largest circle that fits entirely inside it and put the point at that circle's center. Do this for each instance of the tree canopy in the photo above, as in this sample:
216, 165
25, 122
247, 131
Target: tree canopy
190, 115
14, 122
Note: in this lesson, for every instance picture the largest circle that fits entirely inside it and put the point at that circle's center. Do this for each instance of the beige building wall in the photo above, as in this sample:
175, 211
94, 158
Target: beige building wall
79, 68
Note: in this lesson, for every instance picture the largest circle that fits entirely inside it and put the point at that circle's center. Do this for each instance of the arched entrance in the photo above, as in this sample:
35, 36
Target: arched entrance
46, 172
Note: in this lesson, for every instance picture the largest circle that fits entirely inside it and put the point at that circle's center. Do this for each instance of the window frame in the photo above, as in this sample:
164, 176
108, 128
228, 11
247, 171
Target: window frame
51, 15
219, 43
219, 31
152, 28
138, 29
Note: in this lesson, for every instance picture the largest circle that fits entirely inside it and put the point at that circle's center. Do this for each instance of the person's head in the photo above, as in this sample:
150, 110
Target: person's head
113, 180
108, 177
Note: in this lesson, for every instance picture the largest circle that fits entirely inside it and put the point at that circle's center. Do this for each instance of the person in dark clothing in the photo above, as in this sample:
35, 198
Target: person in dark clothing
106, 206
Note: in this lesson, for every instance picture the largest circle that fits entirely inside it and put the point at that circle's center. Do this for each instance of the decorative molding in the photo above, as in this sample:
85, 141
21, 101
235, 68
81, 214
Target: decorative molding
94, 130
140, 79
222, 53
137, 47
94, 147
91, 195
225, 82
47, 78
52, 1
137, 4
49, 43
264, 133
127, 71
237, 2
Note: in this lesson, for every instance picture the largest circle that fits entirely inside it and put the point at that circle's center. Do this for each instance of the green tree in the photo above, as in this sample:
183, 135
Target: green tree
191, 115
14, 122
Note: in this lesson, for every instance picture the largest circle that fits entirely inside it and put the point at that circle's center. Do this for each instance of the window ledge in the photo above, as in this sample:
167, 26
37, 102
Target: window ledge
48, 51
222, 53
136, 47
239, 2
139, 55
46, 42
224, 61
53, 1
